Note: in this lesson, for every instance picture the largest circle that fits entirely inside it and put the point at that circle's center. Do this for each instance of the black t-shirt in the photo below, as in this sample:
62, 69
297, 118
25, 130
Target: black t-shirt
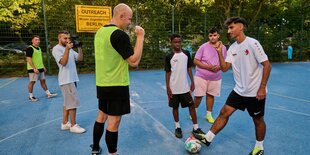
171, 54
121, 43
29, 53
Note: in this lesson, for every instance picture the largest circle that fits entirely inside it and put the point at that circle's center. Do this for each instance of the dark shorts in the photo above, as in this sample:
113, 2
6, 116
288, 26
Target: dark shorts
114, 100
185, 99
255, 107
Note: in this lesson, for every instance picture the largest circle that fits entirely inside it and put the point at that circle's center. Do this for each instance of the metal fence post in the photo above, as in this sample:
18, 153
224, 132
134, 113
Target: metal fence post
46, 39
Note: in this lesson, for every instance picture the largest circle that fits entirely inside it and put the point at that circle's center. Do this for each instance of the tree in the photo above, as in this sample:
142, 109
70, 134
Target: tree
20, 13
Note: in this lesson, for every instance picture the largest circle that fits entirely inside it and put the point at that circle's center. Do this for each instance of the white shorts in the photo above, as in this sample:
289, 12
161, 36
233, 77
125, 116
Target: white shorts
71, 98
203, 87
35, 77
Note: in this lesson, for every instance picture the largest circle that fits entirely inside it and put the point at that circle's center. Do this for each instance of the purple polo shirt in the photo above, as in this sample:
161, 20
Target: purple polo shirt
208, 55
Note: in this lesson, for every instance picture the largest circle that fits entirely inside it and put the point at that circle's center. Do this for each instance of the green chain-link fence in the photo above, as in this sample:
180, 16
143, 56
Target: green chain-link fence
159, 20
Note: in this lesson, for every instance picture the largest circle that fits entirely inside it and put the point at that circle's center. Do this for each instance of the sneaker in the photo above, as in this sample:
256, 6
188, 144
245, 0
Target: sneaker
256, 151
95, 151
210, 119
198, 134
77, 129
33, 99
65, 126
178, 132
204, 141
50, 95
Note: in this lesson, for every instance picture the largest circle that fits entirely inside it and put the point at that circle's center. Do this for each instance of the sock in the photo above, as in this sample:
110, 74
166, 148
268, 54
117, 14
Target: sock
195, 126
97, 134
196, 109
47, 92
209, 136
30, 95
177, 125
209, 113
259, 144
111, 140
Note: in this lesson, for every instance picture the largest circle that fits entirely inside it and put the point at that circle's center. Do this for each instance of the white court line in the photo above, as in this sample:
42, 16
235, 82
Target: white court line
280, 95
293, 98
292, 111
45, 123
154, 119
11, 80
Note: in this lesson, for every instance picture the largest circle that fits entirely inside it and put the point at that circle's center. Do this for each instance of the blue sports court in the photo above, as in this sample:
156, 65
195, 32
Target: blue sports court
33, 128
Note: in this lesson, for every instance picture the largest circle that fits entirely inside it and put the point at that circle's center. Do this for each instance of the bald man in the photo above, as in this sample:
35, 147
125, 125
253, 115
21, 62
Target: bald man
113, 54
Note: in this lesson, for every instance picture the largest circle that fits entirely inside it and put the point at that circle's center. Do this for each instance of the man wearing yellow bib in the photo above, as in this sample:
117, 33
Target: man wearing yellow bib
36, 69
113, 55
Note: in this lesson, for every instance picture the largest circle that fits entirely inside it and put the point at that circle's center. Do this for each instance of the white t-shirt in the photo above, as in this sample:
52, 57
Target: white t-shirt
178, 63
68, 73
246, 59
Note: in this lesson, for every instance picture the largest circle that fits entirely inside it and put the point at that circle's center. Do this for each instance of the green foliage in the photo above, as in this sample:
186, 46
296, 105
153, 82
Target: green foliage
276, 24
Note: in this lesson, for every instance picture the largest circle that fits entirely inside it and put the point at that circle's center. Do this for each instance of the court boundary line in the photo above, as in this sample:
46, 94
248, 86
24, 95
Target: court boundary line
154, 119
287, 110
277, 94
59, 118
40, 125
11, 80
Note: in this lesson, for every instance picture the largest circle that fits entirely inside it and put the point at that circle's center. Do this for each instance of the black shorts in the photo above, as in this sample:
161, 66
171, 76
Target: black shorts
255, 107
114, 100
185, 99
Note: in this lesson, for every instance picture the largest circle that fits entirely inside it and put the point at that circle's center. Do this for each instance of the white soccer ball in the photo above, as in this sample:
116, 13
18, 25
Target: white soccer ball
192, 145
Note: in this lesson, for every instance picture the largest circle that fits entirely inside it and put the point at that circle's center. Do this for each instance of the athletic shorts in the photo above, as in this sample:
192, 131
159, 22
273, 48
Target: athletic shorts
203, 87
185, 99
114, 100
255, 107
70, 94
35, 77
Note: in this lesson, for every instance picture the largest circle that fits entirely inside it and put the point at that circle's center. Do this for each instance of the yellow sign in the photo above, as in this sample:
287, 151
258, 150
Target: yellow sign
90, 18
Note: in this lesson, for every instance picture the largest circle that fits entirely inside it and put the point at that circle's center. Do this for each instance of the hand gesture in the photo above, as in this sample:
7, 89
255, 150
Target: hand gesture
219, 46
139, 31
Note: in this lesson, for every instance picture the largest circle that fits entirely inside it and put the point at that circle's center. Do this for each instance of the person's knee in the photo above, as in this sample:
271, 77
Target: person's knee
226, 112
113, 123
258, 120
101, 117
32, 82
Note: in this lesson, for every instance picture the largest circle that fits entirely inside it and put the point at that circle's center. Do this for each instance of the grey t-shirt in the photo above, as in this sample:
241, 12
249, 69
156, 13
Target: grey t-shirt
67, 73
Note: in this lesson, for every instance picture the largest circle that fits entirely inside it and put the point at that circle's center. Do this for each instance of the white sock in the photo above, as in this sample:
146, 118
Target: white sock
30, 95
196, 109
209, 136
259, 144
195, 126
47, 92
177, 125
209, 112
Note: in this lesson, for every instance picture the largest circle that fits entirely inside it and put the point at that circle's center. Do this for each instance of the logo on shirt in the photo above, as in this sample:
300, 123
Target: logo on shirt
246, 52
175, 60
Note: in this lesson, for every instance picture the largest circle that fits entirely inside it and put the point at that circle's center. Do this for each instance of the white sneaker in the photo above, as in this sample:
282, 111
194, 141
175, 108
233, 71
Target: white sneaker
50, 95
77, 129
65, 126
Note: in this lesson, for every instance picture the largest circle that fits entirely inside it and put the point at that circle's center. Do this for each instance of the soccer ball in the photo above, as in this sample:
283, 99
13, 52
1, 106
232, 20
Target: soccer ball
192, 145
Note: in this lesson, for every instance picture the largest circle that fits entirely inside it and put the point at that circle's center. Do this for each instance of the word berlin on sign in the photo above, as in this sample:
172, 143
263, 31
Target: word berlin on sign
90, 18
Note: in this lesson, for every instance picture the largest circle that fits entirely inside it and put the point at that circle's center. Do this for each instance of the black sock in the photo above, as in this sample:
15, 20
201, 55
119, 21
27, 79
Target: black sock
111, 141
97, 134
